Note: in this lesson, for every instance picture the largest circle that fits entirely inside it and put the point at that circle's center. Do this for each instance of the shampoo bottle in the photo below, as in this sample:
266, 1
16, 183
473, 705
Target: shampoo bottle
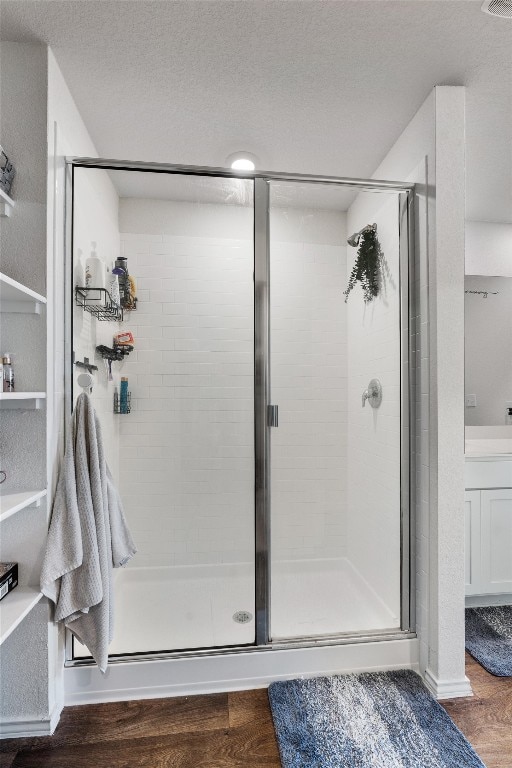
121, 270
114, 288
95, 276
123, 399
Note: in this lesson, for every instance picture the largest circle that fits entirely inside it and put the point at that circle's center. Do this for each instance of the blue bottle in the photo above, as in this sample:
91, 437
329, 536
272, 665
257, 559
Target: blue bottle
123, 398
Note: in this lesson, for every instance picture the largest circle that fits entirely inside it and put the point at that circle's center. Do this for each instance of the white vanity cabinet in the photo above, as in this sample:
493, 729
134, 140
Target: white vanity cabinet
488, 510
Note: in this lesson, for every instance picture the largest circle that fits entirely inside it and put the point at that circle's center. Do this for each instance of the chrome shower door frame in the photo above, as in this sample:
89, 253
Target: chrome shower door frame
262, 394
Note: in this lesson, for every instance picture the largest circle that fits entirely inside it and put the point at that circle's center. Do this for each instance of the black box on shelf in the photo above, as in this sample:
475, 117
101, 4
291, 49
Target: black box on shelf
8, 578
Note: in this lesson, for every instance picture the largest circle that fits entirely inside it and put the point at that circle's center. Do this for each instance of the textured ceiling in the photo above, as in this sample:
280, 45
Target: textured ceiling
314, 87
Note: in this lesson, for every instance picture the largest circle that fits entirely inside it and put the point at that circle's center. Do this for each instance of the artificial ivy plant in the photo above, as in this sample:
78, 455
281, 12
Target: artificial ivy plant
367, 266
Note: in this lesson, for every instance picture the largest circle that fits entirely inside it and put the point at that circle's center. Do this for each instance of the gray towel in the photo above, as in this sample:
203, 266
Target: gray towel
88, 536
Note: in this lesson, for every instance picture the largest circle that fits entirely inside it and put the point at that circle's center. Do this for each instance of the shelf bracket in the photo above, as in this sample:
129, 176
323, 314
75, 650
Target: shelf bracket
89, 367
6, 203
25, 404
25, 307
5, 208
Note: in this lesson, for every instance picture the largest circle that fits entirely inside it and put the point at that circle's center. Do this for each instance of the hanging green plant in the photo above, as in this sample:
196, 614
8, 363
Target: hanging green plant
367, 266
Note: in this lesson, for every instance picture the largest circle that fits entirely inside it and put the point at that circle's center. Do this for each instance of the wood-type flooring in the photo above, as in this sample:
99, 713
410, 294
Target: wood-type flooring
226, 730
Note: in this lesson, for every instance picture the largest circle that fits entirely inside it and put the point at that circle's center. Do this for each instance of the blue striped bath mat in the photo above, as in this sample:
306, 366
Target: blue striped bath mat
489, 638
371, 720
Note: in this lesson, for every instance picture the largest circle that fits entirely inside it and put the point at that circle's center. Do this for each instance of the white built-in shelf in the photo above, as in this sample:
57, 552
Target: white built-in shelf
10, 503
6, 204
21, 400
14, 607
15, 297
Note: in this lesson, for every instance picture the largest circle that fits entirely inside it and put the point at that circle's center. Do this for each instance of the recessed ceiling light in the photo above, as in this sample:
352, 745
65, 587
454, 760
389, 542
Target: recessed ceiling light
243, 164
242, 161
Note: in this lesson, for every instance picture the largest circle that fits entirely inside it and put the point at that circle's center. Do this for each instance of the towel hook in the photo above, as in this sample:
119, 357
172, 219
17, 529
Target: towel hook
86, 364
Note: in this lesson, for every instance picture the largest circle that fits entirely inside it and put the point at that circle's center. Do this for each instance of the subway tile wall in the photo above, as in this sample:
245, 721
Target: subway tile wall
96, 221
187, 447
309, 383
374, 434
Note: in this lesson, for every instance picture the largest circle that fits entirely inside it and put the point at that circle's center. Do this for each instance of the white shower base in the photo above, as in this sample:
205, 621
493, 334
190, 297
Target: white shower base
326, 597
186, 607
171, 608
180, 608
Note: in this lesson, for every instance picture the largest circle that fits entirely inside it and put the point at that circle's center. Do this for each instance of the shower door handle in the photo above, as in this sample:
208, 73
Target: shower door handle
273, 415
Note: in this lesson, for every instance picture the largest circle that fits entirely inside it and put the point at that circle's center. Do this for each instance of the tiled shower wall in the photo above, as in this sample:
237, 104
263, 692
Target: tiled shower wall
309, 383
374, 433
96, 213
187, 447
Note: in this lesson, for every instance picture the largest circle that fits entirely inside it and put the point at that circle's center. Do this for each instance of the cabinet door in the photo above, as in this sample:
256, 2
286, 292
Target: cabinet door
472, 542
496, 511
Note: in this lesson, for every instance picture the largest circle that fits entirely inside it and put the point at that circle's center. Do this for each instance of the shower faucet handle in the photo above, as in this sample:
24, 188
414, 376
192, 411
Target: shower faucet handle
364, 398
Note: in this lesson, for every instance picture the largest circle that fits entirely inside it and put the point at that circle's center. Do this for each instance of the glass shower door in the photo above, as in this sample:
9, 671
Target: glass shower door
335, 460
183, 457
263, 466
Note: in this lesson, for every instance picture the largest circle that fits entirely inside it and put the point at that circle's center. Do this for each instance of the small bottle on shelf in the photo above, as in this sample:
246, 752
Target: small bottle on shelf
123, 398
7, 373
114, 288
95, 277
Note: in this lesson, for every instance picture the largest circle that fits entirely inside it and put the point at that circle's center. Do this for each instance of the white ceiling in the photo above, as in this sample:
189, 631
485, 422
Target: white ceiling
320, 86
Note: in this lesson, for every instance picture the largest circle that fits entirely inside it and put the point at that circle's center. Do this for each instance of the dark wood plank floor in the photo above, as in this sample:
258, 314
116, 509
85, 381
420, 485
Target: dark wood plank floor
222, 730
225, 730
486, 718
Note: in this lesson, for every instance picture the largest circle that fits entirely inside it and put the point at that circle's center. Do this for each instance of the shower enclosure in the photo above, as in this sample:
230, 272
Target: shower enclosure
265, 480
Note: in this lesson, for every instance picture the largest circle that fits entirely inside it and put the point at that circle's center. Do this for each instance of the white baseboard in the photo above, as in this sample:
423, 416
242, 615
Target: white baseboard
231, 672
447, 689
486, 601
17, 729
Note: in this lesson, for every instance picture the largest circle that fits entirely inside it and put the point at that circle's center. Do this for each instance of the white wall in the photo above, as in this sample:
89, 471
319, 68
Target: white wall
308, 344
96, 214
187, 447
446, 286
187, 456
23, 123
157, 217
67, 136
430, 152
488, 345
22, 240
374, 434
23, 433
298, 225
311, 226
487, 340
488, 248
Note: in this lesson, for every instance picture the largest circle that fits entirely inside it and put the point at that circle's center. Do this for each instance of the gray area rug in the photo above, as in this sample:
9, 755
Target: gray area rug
489, 638
371, 720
